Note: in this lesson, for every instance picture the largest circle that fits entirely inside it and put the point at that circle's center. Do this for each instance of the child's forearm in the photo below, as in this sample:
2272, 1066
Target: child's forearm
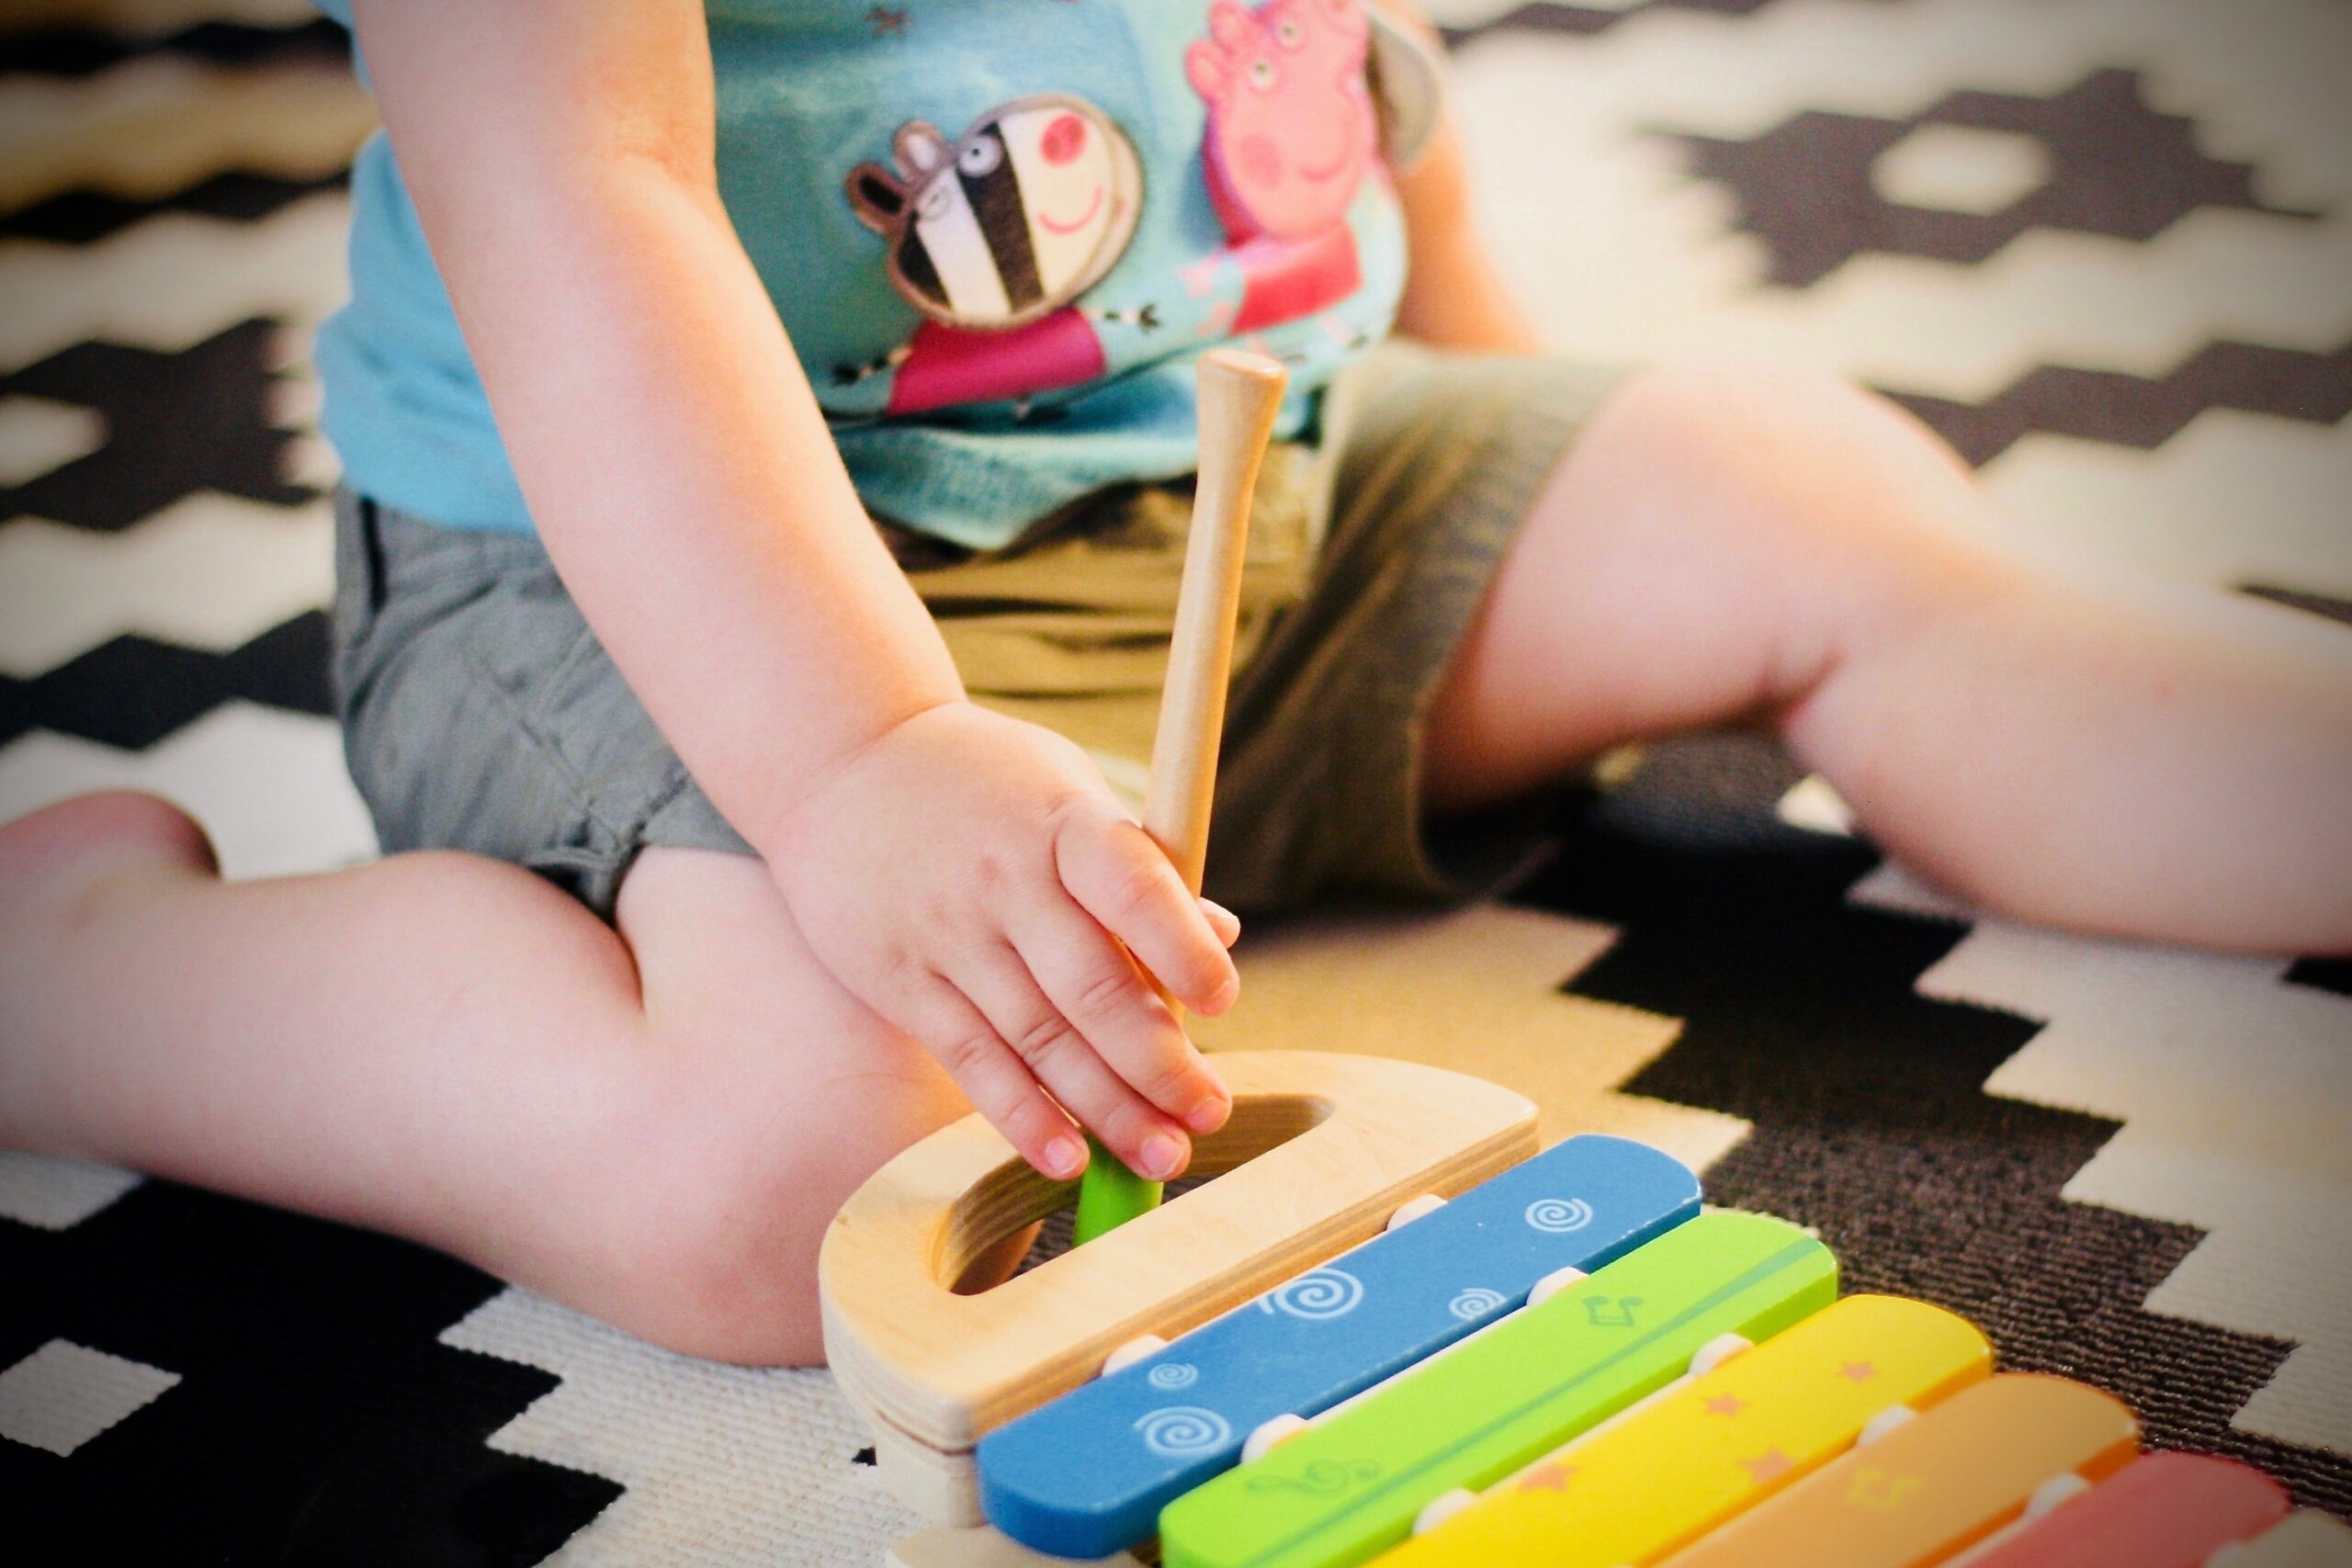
666, 436
700, 513
1454, 294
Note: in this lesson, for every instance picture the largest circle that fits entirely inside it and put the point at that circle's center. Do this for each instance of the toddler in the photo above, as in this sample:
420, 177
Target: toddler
766, 426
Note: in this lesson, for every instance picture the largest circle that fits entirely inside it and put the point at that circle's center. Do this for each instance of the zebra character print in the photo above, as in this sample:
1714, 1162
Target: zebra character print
1013, 222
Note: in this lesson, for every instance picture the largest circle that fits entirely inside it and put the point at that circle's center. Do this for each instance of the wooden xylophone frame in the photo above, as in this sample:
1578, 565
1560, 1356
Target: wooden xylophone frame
1322, 1150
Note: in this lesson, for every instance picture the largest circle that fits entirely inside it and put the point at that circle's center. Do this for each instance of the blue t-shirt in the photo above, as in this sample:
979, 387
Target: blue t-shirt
999, 232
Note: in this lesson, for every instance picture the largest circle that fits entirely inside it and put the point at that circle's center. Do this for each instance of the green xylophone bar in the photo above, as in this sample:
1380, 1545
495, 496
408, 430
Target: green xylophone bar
1352, 1485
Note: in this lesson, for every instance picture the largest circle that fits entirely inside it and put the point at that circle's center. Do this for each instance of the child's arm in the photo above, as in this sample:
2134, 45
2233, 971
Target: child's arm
962, 874
1455, 294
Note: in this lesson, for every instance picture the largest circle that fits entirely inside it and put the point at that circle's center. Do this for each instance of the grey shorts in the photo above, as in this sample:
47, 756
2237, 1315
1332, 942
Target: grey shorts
480, 712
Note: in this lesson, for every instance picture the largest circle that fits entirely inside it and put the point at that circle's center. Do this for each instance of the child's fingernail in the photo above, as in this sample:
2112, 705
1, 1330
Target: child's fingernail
1224, 921
1163, 1157
1221, 997
1065, 1158
1208, 1113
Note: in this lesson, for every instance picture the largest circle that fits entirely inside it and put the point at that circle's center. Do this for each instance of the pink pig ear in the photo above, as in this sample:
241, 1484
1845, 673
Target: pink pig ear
1209, 69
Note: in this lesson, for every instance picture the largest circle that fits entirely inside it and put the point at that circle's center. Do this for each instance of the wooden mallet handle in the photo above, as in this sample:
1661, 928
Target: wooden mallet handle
1241, 394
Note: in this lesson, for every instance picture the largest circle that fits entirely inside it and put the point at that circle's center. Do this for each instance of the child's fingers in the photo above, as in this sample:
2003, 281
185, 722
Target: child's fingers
1000, 984
1122, 878
994, 1079
1098, 987
1222, 920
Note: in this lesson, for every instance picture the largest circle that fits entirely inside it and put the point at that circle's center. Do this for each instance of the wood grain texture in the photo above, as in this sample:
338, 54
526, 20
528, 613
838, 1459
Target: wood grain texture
1333, 1145
1240, 394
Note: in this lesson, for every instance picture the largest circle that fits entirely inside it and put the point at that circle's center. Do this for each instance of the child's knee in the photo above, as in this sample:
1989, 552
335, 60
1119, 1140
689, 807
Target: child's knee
1743, 420
746, 1182
1817, 471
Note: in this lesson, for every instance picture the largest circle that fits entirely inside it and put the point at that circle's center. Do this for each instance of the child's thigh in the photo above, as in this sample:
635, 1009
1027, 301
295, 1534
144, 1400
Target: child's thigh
1707, 549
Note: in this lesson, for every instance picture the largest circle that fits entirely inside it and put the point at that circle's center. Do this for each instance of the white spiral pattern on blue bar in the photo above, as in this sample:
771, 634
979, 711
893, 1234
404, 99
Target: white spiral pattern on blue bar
1173, 1374
1559, 1215
1475, 1302
1185, 1431
1324, 1293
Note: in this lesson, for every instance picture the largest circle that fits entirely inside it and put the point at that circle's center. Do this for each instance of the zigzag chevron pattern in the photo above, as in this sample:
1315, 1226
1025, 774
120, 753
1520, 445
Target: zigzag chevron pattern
208, 572
1462, 20
177, 421
1626, 256
79, 217
132, 691
310, 1375
699, 1447
68, 48
2191, 1052
268, 785
174, 281
2104, 244
2137, 411
1872, 1121
151, 127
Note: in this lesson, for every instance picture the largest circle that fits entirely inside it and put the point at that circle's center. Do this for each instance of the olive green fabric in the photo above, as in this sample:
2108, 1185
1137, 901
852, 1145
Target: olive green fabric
482, 713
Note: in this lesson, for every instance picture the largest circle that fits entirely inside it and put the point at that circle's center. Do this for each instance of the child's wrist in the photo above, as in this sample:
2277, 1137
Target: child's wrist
794, 802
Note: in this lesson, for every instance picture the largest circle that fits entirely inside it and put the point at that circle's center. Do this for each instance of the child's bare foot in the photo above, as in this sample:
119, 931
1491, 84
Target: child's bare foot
55, 865
61, 849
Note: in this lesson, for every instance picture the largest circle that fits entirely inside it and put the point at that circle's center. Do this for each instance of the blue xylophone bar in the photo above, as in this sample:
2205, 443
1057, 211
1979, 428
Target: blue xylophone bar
1088, 1474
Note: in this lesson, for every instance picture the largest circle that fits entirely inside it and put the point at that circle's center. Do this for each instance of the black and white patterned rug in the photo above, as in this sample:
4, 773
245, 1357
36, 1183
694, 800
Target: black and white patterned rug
2105, 245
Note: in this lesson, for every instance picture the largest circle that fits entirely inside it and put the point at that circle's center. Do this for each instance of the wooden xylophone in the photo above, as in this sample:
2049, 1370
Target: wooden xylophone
1568, 1362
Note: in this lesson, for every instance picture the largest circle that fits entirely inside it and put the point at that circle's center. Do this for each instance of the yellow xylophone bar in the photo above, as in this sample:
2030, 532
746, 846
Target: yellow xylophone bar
1636, 1492
1932, 1485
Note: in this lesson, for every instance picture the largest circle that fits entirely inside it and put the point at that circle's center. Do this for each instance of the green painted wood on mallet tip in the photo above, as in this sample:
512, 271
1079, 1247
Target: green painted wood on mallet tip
1110, 1194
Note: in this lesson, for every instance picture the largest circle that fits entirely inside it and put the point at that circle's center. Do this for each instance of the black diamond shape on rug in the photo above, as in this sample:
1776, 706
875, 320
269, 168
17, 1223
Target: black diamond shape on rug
2117, 167
84, 217
318, 1419
177, 422
2144, 411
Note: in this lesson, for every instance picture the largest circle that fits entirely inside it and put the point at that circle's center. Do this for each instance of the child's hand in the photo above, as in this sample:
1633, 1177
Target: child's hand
970, 878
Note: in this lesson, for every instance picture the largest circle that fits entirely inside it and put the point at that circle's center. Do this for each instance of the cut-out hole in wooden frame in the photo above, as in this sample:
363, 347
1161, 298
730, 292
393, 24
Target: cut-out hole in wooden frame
1321, 1150
990, 1234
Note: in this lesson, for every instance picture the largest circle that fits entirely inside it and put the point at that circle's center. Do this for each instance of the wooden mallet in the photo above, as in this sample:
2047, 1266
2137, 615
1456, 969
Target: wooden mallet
1240, 394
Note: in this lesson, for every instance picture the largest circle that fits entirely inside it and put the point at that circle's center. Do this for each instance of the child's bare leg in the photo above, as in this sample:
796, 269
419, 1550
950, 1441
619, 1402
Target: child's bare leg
2104, 754
654, 1126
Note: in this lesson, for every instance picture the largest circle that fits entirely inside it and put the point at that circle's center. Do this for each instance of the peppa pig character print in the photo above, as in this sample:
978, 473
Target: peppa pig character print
1292, 132
1291, 129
